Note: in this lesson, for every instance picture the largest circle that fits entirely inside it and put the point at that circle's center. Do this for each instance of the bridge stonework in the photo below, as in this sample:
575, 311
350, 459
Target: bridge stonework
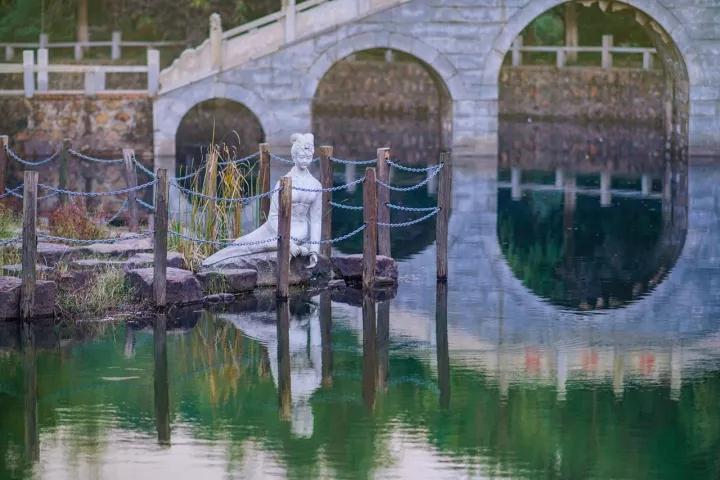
464, 42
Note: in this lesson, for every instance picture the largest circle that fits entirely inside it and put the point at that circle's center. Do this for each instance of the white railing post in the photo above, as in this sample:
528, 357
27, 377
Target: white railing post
153, 75
9, 53
43, 40
647, 60
516, 53
605, 186
645, 184
289, 7
216, 41
29, 73
607, 43
515, 181
42, 73
90, 82
78, 51
115, 49
560, 60
99, 80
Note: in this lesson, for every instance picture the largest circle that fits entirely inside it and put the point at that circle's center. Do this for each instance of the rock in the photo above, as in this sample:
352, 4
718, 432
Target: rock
95, 264
144, 260
354, 296
16, 269
182, 286
350, 267
120, 249
228, 280
45, 293
51, 253
265, 264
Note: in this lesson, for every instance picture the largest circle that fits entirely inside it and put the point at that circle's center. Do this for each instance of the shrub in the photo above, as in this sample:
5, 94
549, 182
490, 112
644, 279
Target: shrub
72, 220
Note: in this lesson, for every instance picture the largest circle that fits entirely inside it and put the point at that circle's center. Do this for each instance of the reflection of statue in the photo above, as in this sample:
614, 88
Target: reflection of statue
306, 213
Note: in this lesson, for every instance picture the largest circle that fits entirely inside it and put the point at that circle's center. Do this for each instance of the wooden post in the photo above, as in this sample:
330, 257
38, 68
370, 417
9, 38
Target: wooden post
289, 7
264, 182
4, 140
326, 179
283, 250
516, 53
606, 57
29, 244
63, 173
370, 233
131, 179
443, 216
115, 48
161, 237
153, 76
29, 73
383, 198
42, 74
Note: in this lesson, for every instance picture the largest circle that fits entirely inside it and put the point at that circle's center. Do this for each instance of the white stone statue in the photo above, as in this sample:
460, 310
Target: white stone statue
306, 214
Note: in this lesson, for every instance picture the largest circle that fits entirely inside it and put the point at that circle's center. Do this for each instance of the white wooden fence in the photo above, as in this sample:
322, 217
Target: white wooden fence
36, 76
116, 44
606, 50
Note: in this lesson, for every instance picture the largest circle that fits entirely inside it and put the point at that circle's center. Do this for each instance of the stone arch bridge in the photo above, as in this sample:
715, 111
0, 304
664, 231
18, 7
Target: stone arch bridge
273, 65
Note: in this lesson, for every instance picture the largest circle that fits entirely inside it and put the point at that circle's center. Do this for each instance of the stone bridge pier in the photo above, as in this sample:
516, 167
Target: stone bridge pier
461, 42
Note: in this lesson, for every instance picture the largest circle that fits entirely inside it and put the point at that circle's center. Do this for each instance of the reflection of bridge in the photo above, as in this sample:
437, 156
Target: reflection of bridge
273, 66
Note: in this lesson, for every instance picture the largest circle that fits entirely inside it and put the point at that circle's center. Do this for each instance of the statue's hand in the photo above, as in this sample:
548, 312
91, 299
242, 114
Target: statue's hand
313, 260
295, 249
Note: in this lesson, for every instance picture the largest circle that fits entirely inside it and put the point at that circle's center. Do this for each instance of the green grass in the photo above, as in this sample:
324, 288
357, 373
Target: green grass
105, 293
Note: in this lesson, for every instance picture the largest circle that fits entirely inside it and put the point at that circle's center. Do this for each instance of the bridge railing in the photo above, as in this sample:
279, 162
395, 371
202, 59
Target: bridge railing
36, 75
606, 51
116, 45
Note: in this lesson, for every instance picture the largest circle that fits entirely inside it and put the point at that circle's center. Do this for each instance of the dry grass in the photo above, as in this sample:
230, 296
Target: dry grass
107, 292
73, 221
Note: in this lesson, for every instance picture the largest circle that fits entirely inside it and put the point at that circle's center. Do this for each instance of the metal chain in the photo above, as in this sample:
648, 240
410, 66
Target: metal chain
122, 209
144, 204
88, 242
332, 240
11, 192
281, 159
330, 189
403, 208
190, 175
82, 156
411, 222
142, 167
244, 200
17, 158
221, 243
238, 160
353, 162
346, 207
96, 194
412, 187
8, 241
414, 169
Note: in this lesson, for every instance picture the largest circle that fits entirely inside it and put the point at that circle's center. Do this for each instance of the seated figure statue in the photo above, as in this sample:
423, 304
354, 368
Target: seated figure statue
306, 214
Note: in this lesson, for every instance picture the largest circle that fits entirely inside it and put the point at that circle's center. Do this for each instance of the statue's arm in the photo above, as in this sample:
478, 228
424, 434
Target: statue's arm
315, 222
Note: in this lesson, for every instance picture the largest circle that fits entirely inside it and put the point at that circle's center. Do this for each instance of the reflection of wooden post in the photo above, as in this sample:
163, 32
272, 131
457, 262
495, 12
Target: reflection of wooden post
160, 380
515, 179
443, 216
383, 345
264, 182
326, 338
618, 373
645, 184
160, 239
326, 179
29, 244
383, 197
561, 374
283, 250
4, 141
676, 364
559, 177
30, 413
370, 233
283, 358
369, 352
131, 179
605, 184
441, 343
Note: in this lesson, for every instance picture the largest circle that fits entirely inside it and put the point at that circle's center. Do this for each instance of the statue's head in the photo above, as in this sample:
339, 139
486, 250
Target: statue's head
303, 149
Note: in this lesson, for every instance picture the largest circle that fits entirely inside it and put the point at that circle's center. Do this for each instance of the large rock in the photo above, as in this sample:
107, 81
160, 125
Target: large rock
120, 249
45, 293
350, 267
52, 253
96, 264
265, 264
16, 269
182, 286
144, 260
228, 280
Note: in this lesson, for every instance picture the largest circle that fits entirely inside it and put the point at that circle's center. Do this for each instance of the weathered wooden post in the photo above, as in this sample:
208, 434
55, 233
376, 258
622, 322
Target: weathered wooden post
63, 172
290, 14
153, 75
284, 219
115, 47
216, 39
326, 179
131, 179
370, 233
29, 244
606, 56
516, 52
263, 185
29, 73
160, 239
4, 141
42, 73
443, 216
383, 198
